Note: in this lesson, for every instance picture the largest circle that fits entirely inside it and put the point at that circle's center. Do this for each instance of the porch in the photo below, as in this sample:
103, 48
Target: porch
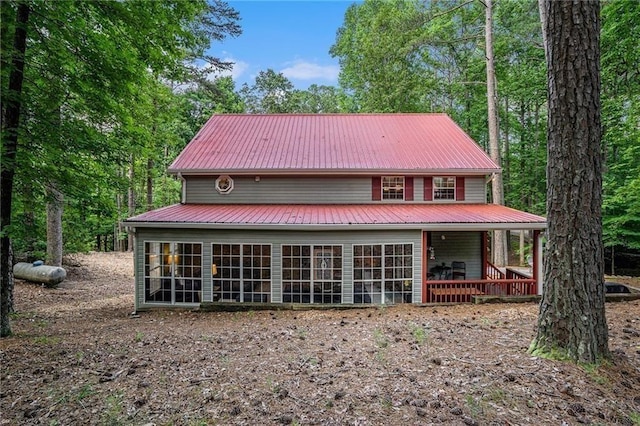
458, 268
509, 282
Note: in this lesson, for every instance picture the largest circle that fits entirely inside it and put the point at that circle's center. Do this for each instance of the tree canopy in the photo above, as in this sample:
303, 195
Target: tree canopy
93, 96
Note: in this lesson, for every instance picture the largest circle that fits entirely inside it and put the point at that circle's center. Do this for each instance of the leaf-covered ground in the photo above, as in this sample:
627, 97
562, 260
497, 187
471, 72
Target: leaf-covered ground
79, 356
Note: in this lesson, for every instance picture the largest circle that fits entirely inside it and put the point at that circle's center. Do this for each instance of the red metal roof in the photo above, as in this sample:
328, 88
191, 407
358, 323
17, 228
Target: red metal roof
332, 143
461, 216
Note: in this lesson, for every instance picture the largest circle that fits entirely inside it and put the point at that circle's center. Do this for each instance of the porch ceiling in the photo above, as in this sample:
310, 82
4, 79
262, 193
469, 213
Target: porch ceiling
463, 217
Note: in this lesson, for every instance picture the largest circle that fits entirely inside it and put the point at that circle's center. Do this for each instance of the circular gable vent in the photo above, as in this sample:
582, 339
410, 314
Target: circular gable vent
224, 184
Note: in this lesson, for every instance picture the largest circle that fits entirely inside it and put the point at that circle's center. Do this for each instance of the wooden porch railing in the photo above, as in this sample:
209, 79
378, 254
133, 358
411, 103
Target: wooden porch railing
449, 291
494, 273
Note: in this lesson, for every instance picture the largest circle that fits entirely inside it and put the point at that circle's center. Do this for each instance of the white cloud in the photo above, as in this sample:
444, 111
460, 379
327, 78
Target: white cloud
302, 70
239, 68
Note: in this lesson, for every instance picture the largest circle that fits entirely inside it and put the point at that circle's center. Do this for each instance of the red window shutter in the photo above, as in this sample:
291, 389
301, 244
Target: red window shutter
376, 188
408, 188
428, 188
460, 188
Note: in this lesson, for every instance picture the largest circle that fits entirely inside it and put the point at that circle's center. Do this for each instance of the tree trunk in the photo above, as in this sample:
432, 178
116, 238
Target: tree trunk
10, 125
572, 322
613, 260
149, 184
506, 159
131, 200
497, 188
117, 241
29, 222
54, 225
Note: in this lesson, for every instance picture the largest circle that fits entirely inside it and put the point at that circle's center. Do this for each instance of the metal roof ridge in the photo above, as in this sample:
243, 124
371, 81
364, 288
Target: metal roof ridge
331, 114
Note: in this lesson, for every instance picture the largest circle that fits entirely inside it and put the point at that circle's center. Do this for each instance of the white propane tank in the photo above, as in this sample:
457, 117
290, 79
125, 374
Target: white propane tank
39, 273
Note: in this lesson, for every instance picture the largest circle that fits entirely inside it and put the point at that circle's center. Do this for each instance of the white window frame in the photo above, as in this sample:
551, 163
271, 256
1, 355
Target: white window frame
380, 297
393, 186
316, 252
241, 279
438, 190
156, 274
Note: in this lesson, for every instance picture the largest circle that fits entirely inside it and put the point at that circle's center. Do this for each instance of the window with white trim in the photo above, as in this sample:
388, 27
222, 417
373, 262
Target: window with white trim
241, 272
311, 274
444, 188
392, 187
382, 273
172, 272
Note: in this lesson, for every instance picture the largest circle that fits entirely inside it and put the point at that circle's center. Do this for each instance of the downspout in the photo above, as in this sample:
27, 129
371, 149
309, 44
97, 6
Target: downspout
136, 275
183, 196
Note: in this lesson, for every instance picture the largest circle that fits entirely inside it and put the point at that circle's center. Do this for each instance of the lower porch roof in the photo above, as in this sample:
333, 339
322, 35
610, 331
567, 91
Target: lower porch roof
433, 217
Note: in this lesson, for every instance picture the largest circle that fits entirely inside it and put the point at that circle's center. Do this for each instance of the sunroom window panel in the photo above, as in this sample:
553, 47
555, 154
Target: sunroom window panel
369, 284
241, 272
311, 274
173, 272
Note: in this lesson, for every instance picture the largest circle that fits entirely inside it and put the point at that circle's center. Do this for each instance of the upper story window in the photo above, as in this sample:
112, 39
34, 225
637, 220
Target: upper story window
393, 188
444, 188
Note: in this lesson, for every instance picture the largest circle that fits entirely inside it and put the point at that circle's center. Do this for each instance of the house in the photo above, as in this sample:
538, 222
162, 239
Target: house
333, 209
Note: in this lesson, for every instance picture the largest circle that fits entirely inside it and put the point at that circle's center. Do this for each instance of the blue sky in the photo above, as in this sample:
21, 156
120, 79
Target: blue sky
291, 37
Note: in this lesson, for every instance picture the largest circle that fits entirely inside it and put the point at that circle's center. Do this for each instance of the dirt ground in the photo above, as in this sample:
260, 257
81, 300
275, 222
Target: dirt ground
79, 356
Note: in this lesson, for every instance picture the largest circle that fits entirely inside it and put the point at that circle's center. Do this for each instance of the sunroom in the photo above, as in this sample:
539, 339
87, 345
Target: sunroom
325, 254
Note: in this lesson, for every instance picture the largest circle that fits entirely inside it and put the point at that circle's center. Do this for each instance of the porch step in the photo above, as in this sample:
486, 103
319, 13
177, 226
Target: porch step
479, 300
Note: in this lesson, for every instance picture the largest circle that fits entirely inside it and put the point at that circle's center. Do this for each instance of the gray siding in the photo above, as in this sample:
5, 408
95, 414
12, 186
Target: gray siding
346, 239
281, 190
475, 190
307, 190
458, 246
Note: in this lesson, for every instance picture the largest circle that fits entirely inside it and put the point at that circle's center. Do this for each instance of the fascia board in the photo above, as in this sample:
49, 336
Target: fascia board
343, 227
332, 172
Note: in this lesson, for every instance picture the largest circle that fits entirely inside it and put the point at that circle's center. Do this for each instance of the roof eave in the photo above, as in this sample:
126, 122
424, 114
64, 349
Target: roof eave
328, 172
452, 226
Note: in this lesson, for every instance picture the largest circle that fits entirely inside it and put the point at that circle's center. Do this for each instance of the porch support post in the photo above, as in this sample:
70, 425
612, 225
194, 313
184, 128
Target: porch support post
425, 265
537, 260
484, 248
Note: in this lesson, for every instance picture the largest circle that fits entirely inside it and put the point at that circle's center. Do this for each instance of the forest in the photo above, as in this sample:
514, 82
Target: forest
106, 94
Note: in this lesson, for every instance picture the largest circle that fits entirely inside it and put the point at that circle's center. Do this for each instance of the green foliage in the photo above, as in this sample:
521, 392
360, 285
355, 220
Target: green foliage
272, 93
593, 371
113, 414
322, 100
537, 349
620, 116
380, 339
46, 340
419, 333
98, 100
380, 63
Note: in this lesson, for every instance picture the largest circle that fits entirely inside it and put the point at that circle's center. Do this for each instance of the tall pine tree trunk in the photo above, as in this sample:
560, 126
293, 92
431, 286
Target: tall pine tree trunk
497, 188
131, 199
572, 321
29, 222
11, 100
149, 184
54, 225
